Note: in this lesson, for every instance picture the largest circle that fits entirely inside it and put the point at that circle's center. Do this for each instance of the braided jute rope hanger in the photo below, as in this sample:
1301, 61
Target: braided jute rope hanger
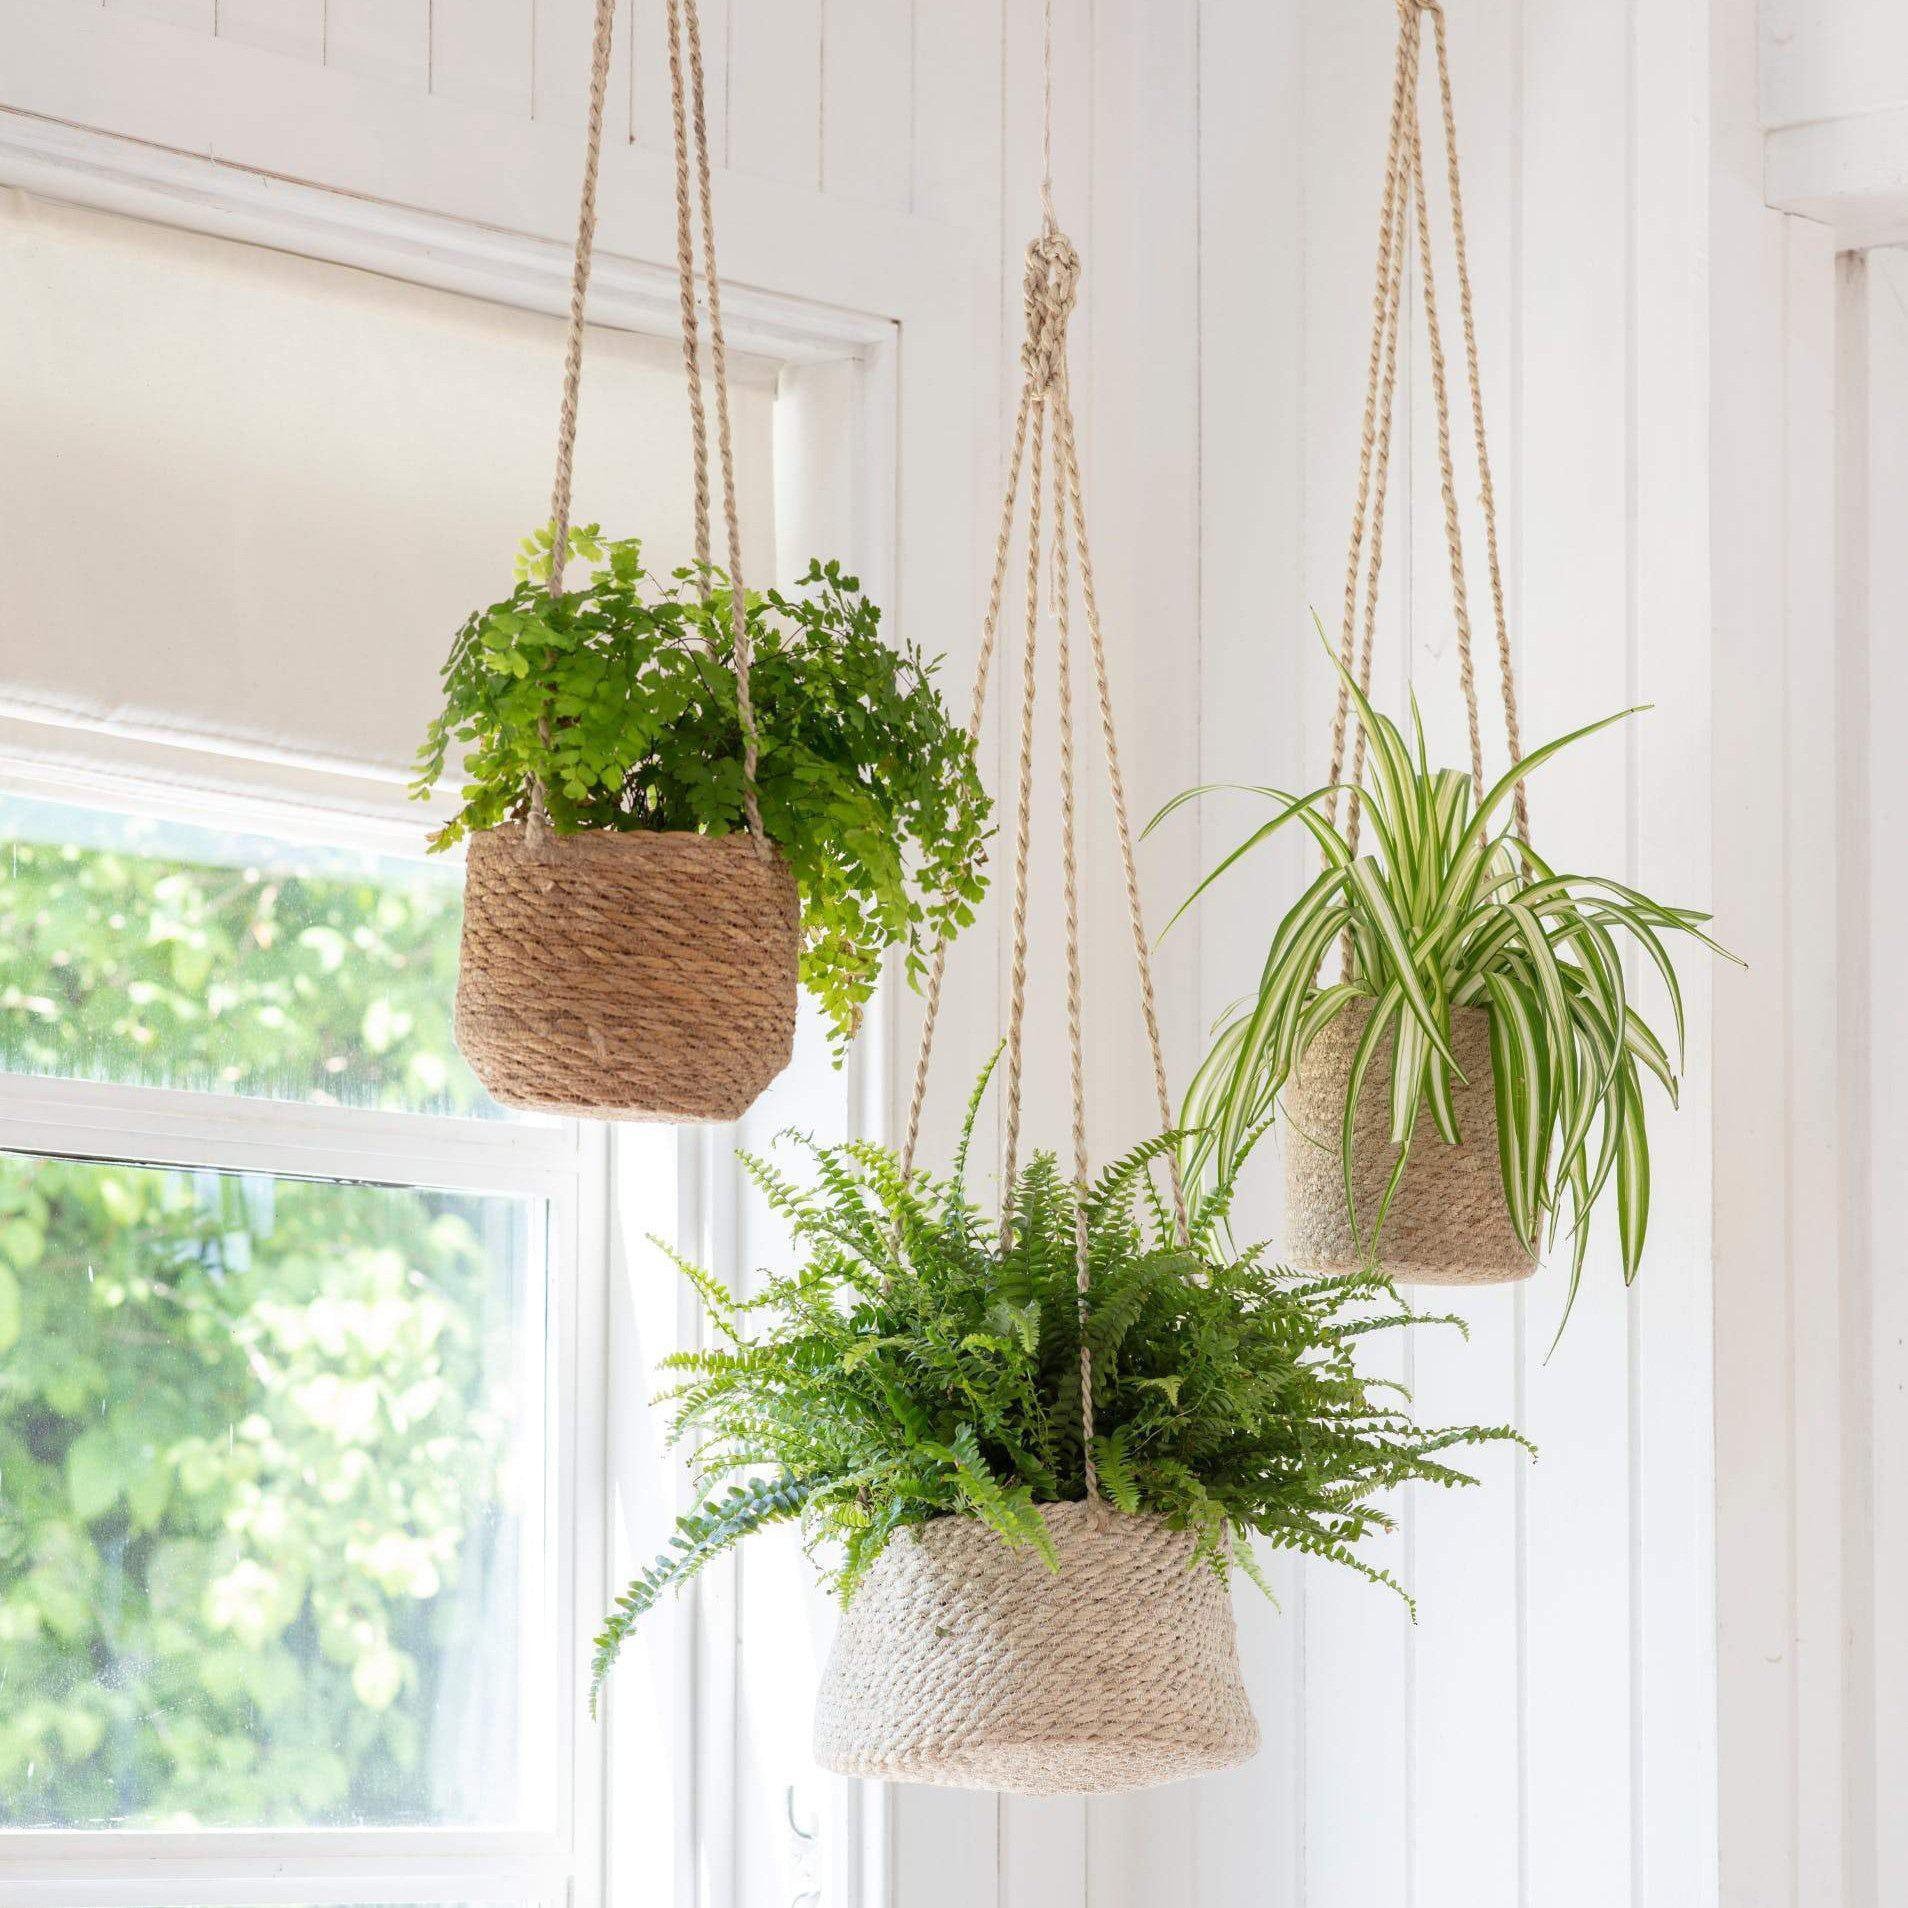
960, 1660
1045, 448
633, 973
687, 109
1446, 1221
1404, 208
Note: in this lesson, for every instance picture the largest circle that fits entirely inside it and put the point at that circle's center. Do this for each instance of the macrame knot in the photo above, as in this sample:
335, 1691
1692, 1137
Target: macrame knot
1053, 282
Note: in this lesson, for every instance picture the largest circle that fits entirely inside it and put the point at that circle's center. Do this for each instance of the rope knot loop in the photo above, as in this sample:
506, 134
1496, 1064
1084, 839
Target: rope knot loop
1052, 285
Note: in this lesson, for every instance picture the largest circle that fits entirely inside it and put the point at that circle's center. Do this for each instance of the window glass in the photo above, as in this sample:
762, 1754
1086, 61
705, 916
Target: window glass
153, 953
271, 1500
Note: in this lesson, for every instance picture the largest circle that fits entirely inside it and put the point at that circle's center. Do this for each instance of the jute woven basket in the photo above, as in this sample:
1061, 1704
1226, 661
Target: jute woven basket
962, 1662
635, 977
1448, 1223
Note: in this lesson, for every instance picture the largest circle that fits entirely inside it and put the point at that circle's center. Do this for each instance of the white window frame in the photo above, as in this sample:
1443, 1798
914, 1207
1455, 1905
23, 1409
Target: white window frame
839, 397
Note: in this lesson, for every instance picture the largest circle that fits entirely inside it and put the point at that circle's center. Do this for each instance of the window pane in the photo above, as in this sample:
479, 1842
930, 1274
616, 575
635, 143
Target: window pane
270, 1500
152, 953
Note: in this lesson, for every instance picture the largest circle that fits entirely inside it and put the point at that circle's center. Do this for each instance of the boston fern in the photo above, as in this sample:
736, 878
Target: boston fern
918, 1365
620, 698
1450, 910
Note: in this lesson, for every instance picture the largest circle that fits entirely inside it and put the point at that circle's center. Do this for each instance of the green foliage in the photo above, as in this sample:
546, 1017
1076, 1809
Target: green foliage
248, 1457
1450, 910
620, 698
176, 957
252, 1451
917, 1364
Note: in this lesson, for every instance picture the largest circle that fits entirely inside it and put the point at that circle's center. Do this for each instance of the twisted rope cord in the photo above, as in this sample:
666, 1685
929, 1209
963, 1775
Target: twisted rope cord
1405, 199
1506, 664
1383, 323
686, 286
1049, 291
1116, 783
1023, 821
1070, 886
1381, 479
983, 668
560, 488
725, 438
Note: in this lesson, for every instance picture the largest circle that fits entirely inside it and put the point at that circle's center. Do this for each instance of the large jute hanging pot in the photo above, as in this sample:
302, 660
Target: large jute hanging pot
960, 1661
1447, 1223
637, 976
647, 976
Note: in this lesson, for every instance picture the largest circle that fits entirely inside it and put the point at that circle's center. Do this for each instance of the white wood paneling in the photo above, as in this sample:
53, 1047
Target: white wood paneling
380, 39
292, 27
867, 67
775, 89
481, 53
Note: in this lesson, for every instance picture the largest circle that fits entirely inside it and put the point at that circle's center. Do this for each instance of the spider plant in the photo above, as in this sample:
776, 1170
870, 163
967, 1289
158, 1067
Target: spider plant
1448, 909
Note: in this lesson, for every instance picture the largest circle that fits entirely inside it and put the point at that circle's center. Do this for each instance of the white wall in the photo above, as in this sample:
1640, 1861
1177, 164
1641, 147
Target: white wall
1542, 1736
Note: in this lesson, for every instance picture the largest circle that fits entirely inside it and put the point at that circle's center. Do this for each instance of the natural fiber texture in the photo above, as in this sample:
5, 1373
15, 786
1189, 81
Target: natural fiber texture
1402, 208
963, 1662
1448, 1223
640, 976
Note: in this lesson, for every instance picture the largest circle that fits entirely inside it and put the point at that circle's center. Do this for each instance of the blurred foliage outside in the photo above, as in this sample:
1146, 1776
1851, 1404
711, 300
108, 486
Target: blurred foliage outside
265, 1445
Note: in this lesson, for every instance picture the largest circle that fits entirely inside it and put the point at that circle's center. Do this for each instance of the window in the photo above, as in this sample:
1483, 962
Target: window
324, 1434
288, 1331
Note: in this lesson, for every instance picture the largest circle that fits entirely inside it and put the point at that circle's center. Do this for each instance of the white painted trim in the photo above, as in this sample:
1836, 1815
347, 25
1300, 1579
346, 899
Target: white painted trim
162, 1126
1849, 173
199, 100
523, 270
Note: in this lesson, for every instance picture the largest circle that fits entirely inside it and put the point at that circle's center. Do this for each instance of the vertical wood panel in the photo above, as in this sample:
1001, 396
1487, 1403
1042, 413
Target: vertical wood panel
482, 53
197, 15
1248, 1839
292, 27
1812, 1064
867, 64
1885, 587
1674, 1538
775, 63
946, 1842
1463, 1822
651, 120
1755, 1448
1357, 1670
381, 39
1043, 1844
563, 35
1575, 523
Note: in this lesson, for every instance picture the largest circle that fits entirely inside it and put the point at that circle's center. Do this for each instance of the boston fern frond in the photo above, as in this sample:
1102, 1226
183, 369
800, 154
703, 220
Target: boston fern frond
1449, 910
915, 1365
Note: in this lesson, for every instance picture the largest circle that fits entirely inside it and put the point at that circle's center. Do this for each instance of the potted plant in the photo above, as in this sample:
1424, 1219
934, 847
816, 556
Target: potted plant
1479, 986
911, 1393
630, 945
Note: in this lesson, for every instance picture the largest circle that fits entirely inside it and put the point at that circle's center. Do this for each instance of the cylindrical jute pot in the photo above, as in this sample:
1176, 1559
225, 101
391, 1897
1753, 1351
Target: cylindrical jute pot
633, 977
964, 1663
1448, 1223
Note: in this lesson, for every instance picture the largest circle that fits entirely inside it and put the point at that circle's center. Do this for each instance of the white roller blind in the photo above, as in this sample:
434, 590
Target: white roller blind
246, 498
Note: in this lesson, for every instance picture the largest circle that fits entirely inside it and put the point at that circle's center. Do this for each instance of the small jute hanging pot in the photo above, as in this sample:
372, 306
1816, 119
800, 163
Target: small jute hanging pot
636, 976
1447, 1223
639, 976
960, 1661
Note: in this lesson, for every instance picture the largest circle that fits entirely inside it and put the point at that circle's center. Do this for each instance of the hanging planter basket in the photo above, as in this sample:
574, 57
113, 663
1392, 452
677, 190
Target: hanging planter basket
1447, 1223
638, 976
964, 1663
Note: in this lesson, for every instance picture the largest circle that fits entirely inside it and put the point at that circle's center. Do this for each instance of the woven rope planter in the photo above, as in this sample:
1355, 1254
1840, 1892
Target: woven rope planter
962, 1662
643, 976
1448, 1223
